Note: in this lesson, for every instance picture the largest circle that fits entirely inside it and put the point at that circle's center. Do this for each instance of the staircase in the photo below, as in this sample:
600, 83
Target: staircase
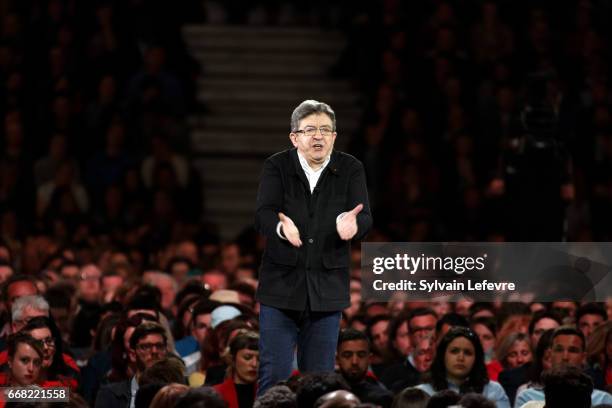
253, 78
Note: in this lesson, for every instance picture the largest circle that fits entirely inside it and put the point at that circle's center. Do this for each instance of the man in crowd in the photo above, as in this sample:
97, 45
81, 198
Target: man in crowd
567, 350
148, 344
353, 356
421, 325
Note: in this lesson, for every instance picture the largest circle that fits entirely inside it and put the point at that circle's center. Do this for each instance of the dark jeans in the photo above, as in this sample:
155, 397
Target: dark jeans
314, 333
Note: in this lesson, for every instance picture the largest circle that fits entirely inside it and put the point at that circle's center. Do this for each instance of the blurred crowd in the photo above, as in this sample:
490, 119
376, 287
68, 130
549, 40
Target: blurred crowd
484, 120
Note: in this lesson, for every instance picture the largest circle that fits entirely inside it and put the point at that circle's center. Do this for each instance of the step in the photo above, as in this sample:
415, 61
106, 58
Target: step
264, 85
289, 98
262, 38
283, 70
285, 59
228, 141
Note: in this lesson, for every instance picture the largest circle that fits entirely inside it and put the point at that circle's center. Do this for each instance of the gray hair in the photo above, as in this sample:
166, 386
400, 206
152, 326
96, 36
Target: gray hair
35, 302
309, 107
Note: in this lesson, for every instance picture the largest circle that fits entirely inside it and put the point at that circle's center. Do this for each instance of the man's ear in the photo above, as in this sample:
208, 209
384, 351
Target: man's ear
293, 138
132, 356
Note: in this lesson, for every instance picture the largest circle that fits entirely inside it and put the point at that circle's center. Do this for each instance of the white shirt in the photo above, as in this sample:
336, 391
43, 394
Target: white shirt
312, 175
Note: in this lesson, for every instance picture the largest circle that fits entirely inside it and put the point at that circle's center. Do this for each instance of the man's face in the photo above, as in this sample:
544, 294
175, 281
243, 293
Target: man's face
422, 327
402, 339
380, 335
19, 289
215, 281
28, 314
150, 348
588, 323
5, 273
423, 354
89, 283
201, 323
540, 327
567, 350
353, 359
70, 272
317, 148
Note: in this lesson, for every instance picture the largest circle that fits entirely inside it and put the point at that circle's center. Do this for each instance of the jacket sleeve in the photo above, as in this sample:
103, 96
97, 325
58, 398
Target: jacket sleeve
269, 200
358, 193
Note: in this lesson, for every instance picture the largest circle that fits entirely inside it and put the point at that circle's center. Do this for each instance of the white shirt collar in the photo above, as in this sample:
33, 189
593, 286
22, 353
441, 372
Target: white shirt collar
306, 166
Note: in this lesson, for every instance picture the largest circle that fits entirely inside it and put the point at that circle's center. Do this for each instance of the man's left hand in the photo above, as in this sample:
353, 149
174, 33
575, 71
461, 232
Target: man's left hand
347, 225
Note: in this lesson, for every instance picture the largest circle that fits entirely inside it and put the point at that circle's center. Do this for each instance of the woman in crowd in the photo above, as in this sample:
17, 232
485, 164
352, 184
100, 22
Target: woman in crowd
459, 366
513, 351
25, 360
541, 362
212, 367
599, 352
486, 328
239, 388
57, 368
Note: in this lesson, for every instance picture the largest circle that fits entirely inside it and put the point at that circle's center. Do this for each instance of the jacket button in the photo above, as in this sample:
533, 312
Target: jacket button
310, 240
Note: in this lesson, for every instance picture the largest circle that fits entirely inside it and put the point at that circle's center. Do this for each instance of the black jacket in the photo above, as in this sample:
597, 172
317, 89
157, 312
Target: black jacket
401, 375
114, 395
317, 273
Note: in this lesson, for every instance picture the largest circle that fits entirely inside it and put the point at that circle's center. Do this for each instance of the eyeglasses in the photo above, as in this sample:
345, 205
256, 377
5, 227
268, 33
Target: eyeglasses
48, 341
85, 277
311, 131
150, 346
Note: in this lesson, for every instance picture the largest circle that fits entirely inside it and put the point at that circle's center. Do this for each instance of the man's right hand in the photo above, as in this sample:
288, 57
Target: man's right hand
290, 231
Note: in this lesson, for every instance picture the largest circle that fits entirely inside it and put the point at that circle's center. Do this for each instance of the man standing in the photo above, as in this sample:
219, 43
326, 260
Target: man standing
312, 201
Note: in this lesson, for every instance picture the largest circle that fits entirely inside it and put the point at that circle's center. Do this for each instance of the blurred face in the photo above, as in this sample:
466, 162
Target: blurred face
28, 314
214, 281
5, 273
518, 354
540, 327
487, 339
401, 342
168, 292
588, 323
89, 283
316, 148
110, 284
423, 355
380, 335
19, 289
462, 307
422, 327
44, 335
70, 272
567, 350
459, 359
565, 308
149, 349
200, 327
246, 364
25, 365
353, 359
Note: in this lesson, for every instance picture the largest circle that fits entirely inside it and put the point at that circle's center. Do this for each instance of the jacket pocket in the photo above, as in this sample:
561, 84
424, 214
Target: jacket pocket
336, 252
281, 252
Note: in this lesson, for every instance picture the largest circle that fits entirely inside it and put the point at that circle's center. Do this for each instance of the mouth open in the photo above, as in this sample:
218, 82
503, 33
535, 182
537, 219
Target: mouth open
317, 146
